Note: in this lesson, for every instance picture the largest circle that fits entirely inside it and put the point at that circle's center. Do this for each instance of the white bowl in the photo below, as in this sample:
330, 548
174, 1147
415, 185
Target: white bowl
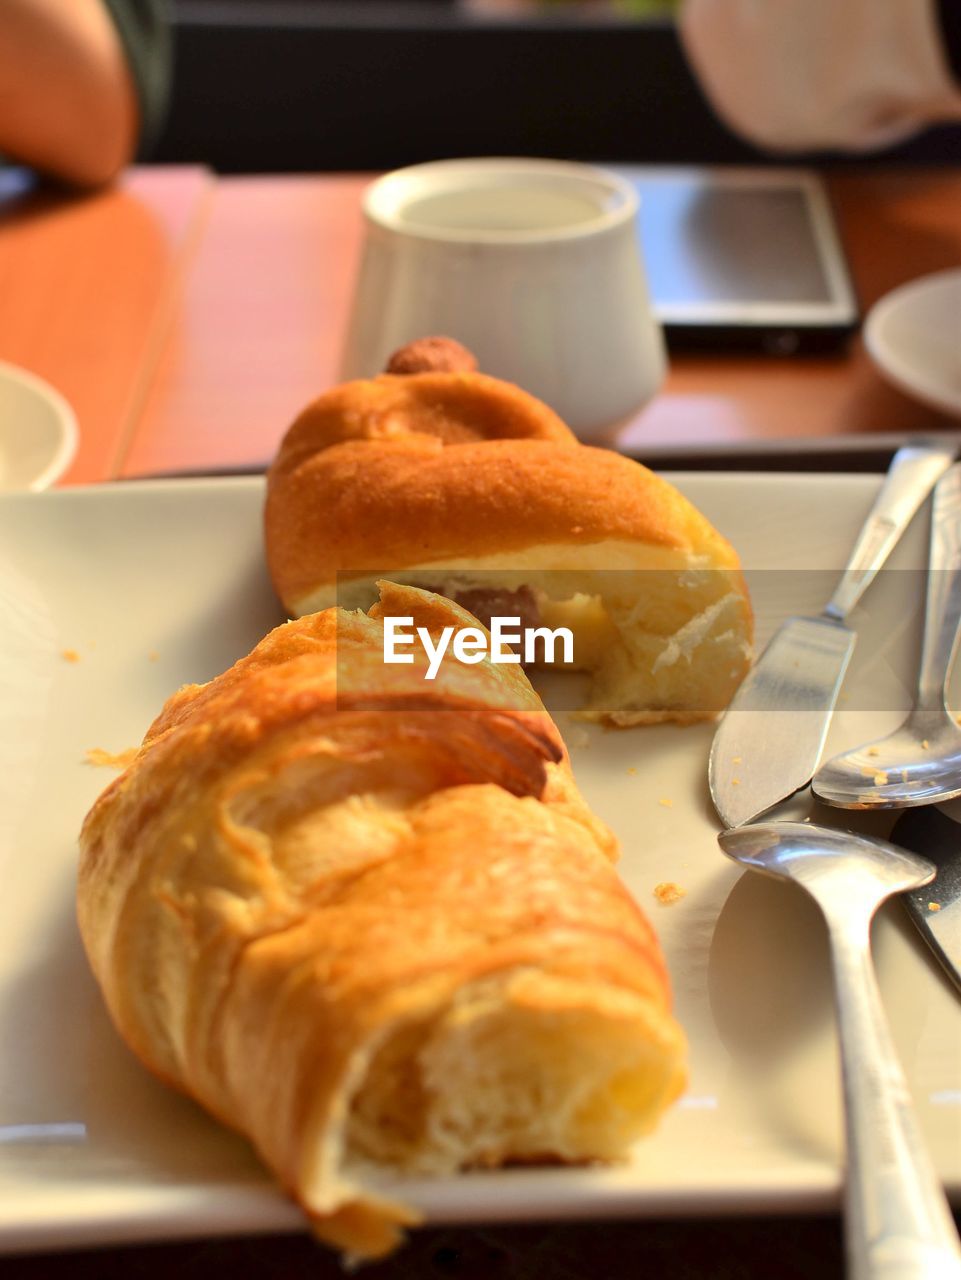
38, 431
914, 337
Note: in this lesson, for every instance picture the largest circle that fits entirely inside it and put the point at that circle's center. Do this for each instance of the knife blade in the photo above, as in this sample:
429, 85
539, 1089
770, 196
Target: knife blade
770, 739
936, 907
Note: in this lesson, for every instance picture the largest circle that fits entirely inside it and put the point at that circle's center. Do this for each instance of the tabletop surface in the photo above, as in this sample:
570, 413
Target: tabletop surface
87, 290
188, 318
262, 318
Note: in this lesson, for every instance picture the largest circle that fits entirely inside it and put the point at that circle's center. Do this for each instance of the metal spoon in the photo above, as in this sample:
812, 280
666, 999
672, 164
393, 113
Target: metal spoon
920, 763
897, 1222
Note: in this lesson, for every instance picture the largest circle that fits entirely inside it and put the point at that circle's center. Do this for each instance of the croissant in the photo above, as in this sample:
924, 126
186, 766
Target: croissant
369, 922
437, 475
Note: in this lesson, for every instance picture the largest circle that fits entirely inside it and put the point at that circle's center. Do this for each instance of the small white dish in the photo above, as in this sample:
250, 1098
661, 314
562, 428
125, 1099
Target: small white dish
531, 264
38, 431
914, 337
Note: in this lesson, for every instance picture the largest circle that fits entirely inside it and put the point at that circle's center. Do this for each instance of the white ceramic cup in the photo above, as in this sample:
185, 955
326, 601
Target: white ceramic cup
532, 264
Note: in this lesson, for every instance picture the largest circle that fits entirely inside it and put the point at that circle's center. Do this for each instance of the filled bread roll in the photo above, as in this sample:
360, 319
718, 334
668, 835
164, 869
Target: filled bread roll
368, 921
442, 477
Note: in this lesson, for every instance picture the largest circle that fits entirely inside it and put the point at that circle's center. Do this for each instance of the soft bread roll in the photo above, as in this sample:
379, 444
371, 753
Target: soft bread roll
368, 921
463, 484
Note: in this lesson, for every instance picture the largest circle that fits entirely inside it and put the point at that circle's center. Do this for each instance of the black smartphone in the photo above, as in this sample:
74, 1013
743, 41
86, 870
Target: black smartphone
747, 259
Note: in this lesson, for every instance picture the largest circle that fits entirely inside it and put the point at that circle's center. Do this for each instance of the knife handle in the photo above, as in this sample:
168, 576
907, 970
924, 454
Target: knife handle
914, 471
942, 615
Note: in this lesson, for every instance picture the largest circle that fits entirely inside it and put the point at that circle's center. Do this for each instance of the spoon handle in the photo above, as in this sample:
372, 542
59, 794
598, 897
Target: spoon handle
942, 614
898, 1224
911, 476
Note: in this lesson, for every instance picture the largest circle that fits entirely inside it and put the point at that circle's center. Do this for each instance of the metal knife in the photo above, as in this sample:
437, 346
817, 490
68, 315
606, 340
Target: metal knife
770, 739
936, 908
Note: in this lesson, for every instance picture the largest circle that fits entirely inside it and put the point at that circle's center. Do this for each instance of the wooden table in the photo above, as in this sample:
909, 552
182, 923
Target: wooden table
259, 326
261, 320
88, 287
188, 319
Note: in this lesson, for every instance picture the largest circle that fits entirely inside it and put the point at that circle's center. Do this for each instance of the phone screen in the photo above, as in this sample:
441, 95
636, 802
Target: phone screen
719, 244
743, 258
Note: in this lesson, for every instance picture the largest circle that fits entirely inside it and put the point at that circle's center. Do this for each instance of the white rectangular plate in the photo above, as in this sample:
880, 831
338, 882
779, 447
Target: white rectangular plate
112, 597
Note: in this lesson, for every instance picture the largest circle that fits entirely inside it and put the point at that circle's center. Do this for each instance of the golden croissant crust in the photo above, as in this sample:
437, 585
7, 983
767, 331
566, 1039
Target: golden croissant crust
455, 481
369, 922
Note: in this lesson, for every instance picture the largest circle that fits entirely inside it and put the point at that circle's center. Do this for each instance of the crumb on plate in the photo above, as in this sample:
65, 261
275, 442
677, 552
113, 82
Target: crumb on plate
934, 906
153, 656
110, 759
665, 802
70, 655
667, 892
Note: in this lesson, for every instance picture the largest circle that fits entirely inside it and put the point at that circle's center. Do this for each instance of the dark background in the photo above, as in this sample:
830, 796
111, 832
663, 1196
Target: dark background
735, 1249
297, 85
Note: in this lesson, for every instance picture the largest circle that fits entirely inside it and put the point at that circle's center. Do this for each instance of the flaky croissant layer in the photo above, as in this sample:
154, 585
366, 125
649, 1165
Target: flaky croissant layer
369, 922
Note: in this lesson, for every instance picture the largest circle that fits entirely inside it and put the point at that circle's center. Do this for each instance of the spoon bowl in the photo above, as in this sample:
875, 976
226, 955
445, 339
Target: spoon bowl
920, 763
839, 869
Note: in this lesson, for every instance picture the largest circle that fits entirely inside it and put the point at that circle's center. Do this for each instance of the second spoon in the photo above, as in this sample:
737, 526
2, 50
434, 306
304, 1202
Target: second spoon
920, 763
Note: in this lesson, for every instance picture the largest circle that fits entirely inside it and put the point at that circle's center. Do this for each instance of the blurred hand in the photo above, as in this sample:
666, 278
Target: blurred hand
68, 106
811, 74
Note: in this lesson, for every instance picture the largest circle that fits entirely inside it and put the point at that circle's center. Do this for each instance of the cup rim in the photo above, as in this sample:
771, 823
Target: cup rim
382, 200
